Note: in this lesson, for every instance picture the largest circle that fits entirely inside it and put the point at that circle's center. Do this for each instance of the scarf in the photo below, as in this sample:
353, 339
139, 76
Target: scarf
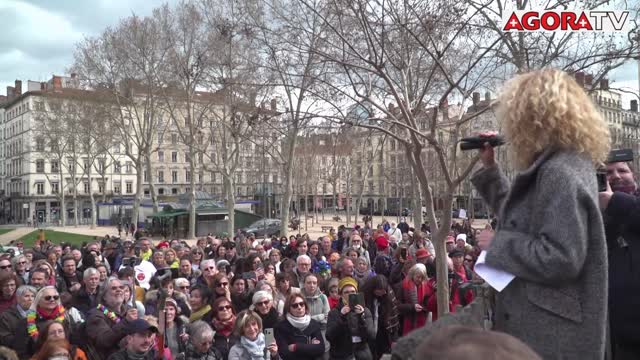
254, 348
299, 323
270, 320
45, 315
414, 295
199, 314
224, 327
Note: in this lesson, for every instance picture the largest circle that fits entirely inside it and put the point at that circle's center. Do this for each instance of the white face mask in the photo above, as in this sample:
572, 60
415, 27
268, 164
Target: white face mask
357, 246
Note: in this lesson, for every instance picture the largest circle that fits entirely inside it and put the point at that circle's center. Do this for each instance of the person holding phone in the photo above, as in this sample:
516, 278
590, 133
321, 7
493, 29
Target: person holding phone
550, 234
252, 344
350, 325
298, 336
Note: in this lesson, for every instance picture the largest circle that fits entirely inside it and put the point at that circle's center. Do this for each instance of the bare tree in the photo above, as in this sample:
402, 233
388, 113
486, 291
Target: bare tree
127, 62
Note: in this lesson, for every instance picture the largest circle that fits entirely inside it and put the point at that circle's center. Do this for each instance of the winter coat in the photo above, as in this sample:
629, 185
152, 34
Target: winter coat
122, 355
105, 334
622, 225
238, 352
223, 344
23, 344
82, 301
286, 334
342, 329
9, 320
318, 307
5, 304
212, 354
550, 236
270, 320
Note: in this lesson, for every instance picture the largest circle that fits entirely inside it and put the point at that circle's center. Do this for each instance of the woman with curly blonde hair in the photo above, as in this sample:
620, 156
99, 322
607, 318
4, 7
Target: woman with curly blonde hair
550, 233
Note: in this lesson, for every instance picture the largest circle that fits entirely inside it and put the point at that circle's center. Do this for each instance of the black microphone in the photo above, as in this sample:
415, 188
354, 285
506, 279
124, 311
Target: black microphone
477, 142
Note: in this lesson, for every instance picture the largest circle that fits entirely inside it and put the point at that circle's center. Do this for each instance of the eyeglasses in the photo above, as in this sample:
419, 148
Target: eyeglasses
224, 308
264, 303
52, 297
210, 268
298, 305
21, 262
223, 284
115, 288
183, 287
3, 267
303, 264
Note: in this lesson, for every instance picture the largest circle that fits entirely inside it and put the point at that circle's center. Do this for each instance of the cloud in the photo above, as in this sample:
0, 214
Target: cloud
39, 35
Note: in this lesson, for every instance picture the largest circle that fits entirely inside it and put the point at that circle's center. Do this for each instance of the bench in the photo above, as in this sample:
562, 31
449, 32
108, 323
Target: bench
326, 228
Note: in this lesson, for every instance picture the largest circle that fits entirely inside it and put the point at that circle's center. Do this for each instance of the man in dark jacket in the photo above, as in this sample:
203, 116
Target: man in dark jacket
621, 206
86, 298
140, 341
70, 274
349, 330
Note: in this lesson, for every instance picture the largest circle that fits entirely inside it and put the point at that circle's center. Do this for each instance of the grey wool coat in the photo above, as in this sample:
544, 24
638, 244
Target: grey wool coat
550, 235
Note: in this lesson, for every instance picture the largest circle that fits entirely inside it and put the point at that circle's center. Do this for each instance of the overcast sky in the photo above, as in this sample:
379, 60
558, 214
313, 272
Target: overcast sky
39, 36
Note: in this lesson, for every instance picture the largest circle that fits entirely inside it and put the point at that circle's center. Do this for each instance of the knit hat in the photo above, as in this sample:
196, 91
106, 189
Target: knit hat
172, 302
382, 243
462, 236
422, 253
260, 296
163, 245
346, 282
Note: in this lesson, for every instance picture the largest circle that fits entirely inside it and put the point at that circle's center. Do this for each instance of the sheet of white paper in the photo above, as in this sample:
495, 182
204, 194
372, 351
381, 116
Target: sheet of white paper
498, 279
462, 214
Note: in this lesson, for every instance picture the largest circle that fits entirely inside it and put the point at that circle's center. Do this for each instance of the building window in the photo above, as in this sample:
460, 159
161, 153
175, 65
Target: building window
200, 158
174, 139
116, 149
39, 144
174, 176
116, 167
39, 166
116, 188
161, 156
55, 188
174, 157
40, 188
187, 176
161, 191
174, 191
145, 175
129, 186
100, 188
101, 165
161, 176
129, 167
87, 187
187, 158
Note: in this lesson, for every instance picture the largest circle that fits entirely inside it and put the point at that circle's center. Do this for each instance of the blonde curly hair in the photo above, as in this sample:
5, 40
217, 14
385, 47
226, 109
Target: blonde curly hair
548, 109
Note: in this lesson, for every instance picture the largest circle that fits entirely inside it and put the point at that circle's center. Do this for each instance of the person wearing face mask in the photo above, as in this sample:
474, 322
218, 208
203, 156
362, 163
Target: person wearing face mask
140, 341
10, 318
356, 244
620, 204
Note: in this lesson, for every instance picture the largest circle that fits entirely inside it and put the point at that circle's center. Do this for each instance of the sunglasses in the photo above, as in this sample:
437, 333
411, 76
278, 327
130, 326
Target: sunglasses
264, 303
21, 262
223, 284
225, 307
52, 297
4, 267
183, 287
299, 305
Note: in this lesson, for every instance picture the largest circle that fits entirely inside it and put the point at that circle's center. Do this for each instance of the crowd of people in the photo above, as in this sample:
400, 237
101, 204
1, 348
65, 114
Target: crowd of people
349, 294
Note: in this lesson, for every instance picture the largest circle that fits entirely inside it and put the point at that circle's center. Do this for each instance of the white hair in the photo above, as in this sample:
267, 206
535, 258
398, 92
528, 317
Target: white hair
179, 281
302, 257
200, 330
88, 272
26, 288
204, 263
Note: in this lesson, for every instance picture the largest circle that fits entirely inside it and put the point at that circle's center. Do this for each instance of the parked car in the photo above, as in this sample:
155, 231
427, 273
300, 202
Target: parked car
264, 227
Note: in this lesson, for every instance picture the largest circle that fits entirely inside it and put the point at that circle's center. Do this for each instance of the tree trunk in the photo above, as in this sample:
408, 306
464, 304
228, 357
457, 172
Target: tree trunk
152, 188
138, 196
230, 202
417, 208
93, 201
192, 195
63, 205
75, 204
288, 187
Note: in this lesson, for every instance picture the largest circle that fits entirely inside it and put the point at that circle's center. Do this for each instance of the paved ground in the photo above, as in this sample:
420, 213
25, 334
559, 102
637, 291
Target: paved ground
313, 227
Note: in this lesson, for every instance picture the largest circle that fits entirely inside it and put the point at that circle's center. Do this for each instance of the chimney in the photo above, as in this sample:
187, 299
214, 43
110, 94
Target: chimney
487, 96
476, 98
10, 92
634, 105
580, 78
588, 79
274, 104
57, 82
18, 87
604, 84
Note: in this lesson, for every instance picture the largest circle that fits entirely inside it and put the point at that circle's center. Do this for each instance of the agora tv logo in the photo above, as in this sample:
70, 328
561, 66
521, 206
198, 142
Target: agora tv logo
551, 20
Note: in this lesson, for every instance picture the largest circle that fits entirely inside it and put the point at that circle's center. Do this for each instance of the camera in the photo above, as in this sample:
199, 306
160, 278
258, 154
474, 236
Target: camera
131, 261
618, 155
477, 142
